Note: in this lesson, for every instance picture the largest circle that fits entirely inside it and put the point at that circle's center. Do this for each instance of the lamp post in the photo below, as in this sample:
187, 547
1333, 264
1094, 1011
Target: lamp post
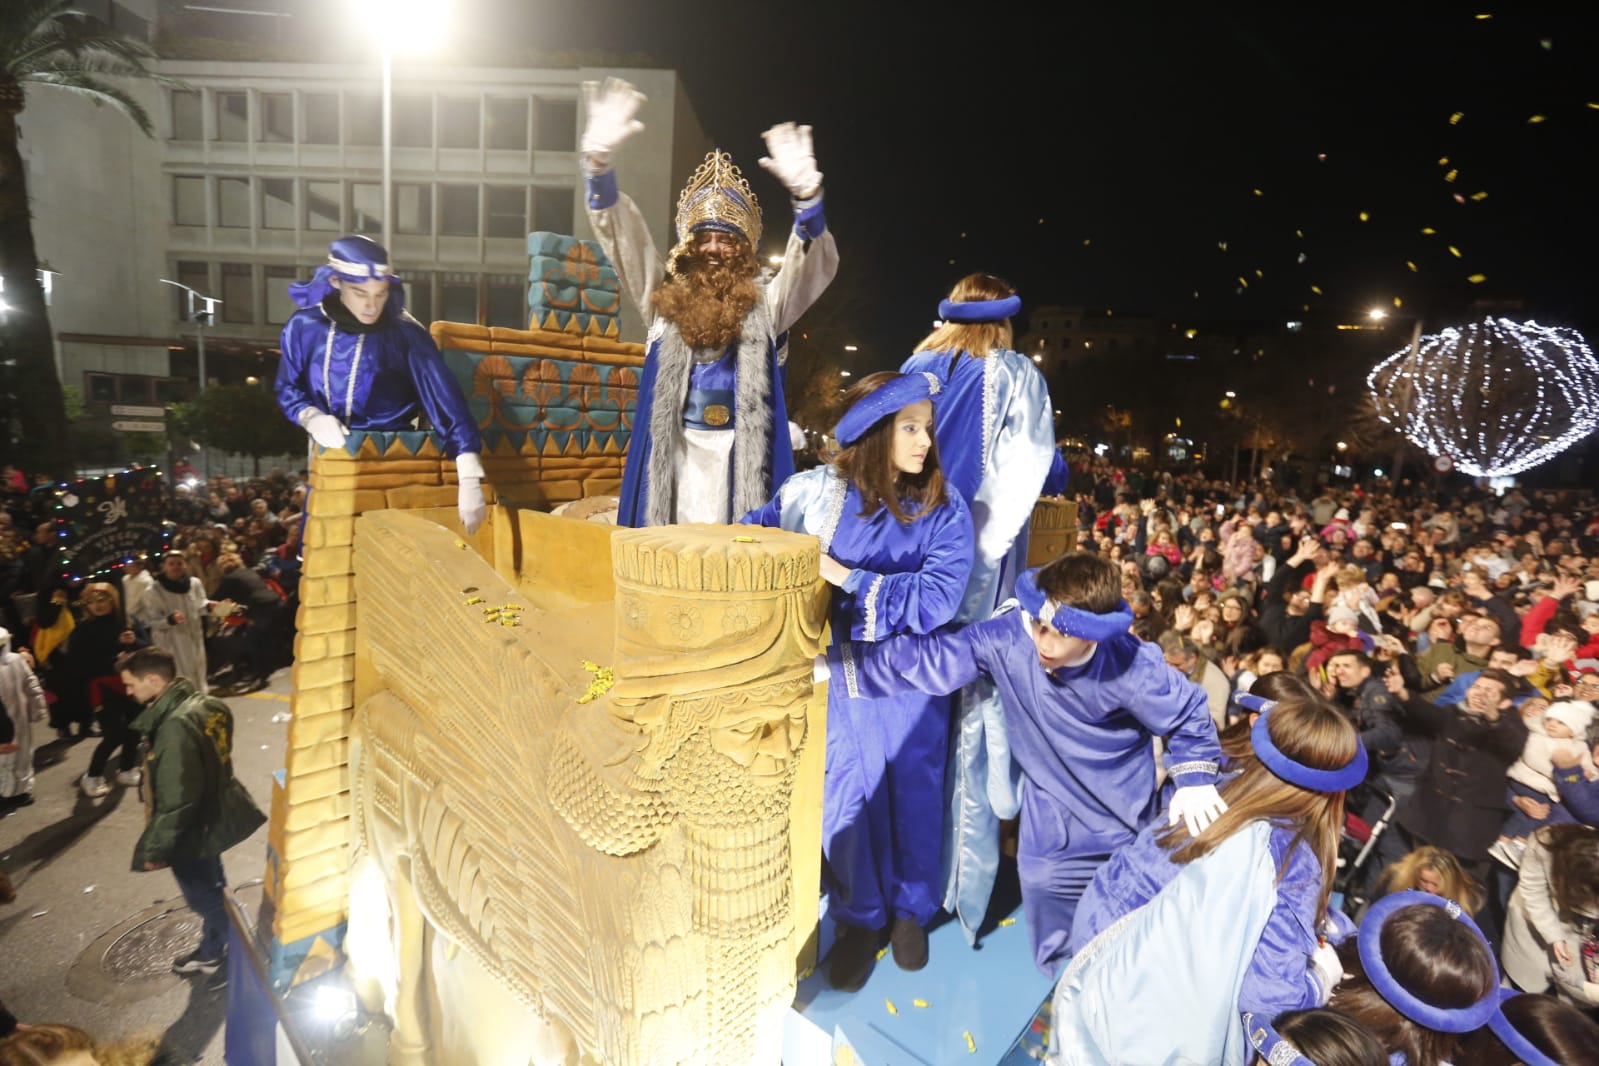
408, 25
1403, 397
201, 319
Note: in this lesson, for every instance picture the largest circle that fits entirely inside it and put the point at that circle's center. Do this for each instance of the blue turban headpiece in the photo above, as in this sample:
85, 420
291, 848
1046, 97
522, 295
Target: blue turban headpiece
1369, 943
1512, 1038
979, 310
1072, 621
354, 259
1291, 770
893, 395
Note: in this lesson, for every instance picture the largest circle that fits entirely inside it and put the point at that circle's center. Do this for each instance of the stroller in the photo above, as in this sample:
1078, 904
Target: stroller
1359, 844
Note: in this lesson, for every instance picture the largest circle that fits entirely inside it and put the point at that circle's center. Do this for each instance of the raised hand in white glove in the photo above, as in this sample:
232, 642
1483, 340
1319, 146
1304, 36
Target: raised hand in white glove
1324, 960
1197, 806
324, 428
469, 497
792, 162
612, 107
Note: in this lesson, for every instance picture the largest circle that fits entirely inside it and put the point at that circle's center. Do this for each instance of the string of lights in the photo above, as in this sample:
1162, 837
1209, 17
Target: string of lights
1497, 397
115, 535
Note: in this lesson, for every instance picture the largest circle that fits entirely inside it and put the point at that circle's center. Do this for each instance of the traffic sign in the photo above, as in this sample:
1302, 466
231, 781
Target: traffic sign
136, 411
140, 427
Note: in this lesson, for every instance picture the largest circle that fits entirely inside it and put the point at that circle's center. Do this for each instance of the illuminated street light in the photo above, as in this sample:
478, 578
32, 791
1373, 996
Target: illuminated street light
1376, 314
406, 26
1341, 446
843, 373
851, 348
1231, 395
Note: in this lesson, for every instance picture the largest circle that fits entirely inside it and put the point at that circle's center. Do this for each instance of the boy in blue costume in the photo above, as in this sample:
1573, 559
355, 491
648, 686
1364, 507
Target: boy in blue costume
1083, 701
354, 359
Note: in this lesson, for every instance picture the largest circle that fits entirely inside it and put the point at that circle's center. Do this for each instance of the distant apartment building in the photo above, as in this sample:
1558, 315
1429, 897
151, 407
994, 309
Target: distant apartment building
1057, 335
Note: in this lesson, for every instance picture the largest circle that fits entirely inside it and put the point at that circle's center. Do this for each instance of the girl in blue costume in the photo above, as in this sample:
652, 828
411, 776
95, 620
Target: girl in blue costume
1181, 933
897, 543
995, 428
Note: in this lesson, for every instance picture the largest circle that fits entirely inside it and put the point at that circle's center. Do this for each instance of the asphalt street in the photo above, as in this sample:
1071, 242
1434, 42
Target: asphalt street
88, 942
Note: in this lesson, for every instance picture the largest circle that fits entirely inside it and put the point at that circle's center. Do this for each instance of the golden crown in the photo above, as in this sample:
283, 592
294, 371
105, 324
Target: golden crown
718, 197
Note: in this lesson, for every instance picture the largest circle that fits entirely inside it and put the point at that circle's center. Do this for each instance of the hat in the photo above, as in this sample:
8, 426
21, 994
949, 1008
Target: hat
1342, 612
354, 258
1342, 515
1573, 714
889, 398
717, 197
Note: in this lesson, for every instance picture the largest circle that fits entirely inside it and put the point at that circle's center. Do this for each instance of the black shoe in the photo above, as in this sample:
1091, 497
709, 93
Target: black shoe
909, 942
194, 962
849, 964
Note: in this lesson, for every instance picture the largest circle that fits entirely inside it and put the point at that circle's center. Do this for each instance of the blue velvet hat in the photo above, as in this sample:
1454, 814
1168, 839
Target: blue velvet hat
892, 396
1369, 943
354, 259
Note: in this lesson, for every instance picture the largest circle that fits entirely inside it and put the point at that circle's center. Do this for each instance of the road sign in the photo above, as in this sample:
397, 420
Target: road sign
140, 427
135, 411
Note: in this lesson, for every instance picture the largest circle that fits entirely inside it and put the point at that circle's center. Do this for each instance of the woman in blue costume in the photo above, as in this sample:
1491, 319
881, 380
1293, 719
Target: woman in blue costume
897, 543
995, 428
1180, 934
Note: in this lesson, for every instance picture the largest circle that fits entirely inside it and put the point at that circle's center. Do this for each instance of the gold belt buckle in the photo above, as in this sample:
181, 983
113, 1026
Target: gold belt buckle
717, 414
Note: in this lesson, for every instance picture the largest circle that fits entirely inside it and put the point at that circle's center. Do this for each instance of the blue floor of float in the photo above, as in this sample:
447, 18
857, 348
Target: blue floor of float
992, 992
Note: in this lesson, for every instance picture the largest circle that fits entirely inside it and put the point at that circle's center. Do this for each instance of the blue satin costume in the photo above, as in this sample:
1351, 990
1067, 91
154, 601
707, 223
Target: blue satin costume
380, 380
885, 757
1082, 737
995, 428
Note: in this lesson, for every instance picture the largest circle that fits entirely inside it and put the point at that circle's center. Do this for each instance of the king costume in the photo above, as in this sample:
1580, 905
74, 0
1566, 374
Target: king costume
710, 438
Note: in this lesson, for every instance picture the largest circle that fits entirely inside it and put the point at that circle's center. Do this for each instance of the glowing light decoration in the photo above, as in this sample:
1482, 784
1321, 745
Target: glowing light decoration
1497, 397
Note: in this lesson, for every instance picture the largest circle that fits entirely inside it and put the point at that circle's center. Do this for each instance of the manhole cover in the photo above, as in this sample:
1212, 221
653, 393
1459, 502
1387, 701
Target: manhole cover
133, 960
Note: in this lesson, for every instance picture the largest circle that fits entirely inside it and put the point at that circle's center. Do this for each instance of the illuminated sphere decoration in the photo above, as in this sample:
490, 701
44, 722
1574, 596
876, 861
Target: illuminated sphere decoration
1497, 397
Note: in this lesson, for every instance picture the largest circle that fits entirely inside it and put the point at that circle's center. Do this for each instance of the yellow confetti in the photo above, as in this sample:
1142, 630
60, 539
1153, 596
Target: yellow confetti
890, 1005
1482, 18
1479, 196
1087, 241
880, 953
1454, 120
919, 1003
1243, 281
1398, 302
1411, 265
1451, 175
1533, 120
1454, 251
971, 1045
1593, 105
743, 540
1443, 160
508, 621
807, 972
1428, 231
460, 544
1260, 273
1364, 217
1299, 233
1007, 921
474, 599
1316, 289
1477, 279
514, 607
1259, 193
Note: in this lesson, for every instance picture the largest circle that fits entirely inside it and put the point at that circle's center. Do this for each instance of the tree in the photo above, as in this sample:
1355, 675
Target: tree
241, 419
46, 42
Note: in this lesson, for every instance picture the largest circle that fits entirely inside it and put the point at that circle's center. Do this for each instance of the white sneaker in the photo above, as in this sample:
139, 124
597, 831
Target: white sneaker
130, 777
94, 787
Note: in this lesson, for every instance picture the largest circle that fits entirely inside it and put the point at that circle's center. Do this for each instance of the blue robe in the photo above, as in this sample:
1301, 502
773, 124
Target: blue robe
1168, 957
1082, 736
995, 428
885, 757
380, 380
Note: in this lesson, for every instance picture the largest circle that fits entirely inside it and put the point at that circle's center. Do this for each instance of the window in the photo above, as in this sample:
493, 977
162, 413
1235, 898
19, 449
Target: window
552, 209
458, 210
458, 123
507, 124
196, 276
507, 211
321, 117
233, 203
419, 296
188, 201
413, 209
366, 207
277, 118
556, 125
363, 120
322, 205
278, 305
277, 203
100, 388
507, 302
458, 297
233, 116
188, 124
238, 293
412, 122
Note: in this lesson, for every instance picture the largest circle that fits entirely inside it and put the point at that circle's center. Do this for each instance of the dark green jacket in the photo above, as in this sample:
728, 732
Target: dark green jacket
197, 809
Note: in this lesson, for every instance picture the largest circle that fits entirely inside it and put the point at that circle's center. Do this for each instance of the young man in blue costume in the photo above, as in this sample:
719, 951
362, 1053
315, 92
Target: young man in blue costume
353, 359
710, 437
1083, 699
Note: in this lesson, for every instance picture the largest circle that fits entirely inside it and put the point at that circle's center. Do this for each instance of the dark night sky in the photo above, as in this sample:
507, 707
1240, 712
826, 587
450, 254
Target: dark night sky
950, 146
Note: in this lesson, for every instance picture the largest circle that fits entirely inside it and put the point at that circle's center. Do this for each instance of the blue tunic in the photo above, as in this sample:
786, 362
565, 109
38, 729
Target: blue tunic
380, 380
1082, 736
995, 429
885, 757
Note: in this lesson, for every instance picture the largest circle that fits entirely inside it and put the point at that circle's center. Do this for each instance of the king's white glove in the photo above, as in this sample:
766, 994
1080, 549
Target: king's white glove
324, 428
792, 162
1197, 806
1324, 960
469, 500
612, 107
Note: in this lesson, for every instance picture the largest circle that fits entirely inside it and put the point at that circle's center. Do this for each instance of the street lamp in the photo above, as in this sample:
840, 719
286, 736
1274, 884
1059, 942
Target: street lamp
201, 319
406, 26
1402, 399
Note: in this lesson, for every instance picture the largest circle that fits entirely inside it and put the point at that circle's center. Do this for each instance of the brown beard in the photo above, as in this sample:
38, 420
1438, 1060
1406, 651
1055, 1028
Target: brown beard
706, 303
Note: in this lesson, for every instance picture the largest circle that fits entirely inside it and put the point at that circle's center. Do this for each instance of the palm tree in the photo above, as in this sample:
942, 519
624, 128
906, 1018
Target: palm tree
45, 42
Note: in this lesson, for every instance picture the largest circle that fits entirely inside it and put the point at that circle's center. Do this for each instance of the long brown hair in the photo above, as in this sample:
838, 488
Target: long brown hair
1309, 731
39, 1045
869, 464
1573, 868
974, 338
1553, 1026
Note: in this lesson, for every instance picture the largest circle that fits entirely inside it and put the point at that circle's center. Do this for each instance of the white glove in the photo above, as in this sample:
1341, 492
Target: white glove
792, 161
819, 670
469, 498
1324, 960
324, 428
612, 107
1197, 805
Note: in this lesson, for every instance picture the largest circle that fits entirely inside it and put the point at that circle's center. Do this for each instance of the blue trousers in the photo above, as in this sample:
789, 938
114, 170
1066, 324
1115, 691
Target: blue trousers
202, 883
1056, 857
